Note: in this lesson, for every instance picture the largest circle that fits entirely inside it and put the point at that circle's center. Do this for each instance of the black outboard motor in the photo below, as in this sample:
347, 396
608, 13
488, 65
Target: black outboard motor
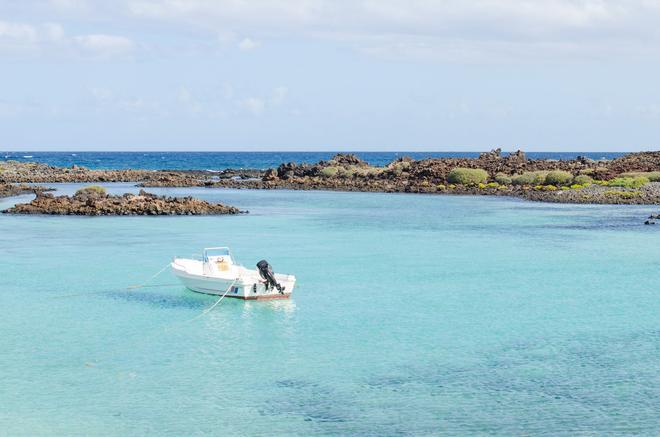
266, 272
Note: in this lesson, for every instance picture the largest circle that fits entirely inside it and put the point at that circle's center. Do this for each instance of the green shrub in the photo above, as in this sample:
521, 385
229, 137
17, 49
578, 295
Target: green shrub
367, 171
357, 171
503, 179
347, 172
583, 180
558, 178
467, 176
576, 186
488, 185
635, 182
399, 167
623, 194
329, 172
653, 176
530, 178
92, 189
549, 188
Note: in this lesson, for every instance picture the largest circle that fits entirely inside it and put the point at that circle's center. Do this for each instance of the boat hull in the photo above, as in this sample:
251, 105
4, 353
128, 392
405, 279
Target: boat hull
248, 287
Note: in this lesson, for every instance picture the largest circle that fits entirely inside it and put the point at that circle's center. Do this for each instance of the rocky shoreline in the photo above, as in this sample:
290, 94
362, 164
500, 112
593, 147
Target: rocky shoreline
33, 172
9, 190
93, 201
580, 180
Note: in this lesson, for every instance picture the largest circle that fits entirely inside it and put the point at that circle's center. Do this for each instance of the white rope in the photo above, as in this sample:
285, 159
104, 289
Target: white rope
206, 311
111, 290
133, 287
161, 329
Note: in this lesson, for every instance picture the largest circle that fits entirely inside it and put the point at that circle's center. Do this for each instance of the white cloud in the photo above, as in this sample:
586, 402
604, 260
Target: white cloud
436, 29
248, 44
51, 39
258, 105
227, 91
453, 30
70, 5
102, 95
18, 32
106, 100
104, 45
185, 101
11, 109
240, 12
188, 102
27, 108
279, 95
649, 111
254, 105
26, 38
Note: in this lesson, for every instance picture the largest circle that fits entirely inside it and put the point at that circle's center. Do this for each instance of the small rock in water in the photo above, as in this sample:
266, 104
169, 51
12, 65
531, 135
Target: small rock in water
94, 201
649, 222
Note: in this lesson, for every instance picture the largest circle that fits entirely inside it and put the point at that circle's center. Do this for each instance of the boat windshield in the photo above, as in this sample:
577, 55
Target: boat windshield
214, 252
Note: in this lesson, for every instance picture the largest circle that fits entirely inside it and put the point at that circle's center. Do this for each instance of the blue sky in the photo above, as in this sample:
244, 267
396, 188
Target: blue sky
330, 75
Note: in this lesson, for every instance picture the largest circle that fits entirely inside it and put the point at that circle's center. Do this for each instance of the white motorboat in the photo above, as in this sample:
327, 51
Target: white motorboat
217, 273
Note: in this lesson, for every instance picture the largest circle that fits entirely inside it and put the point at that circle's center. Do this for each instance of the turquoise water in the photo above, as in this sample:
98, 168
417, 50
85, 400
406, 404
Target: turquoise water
414, 315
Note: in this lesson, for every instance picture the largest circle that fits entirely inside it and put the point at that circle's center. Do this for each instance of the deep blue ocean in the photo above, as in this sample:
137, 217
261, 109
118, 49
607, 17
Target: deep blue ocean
223, 160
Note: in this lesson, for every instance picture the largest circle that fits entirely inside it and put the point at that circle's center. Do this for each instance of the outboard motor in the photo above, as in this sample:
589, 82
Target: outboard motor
266, 272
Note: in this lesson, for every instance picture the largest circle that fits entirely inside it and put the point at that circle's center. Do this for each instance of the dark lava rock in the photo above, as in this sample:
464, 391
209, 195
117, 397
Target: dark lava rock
96, 202
518, 155
287, 171
270, 175
348, 159
642, 161
7, 190
493, 154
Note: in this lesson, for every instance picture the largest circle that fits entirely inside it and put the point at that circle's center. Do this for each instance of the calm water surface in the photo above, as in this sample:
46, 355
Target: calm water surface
414, 314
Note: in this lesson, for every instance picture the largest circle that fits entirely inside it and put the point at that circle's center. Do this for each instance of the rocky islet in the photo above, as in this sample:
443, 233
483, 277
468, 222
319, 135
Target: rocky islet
95, 202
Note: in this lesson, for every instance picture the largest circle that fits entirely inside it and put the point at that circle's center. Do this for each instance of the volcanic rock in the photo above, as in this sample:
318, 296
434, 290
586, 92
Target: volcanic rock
96, 202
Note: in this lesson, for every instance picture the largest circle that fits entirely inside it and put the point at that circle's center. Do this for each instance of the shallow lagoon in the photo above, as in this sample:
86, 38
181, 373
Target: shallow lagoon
414, 314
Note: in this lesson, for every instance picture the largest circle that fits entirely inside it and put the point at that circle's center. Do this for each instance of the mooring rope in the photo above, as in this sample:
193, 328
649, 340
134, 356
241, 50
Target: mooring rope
110, 290
133, 287
130, 288
157, 330
206, 311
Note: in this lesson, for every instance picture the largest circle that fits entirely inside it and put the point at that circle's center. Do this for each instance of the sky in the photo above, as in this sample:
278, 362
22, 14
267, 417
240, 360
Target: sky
443, 75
